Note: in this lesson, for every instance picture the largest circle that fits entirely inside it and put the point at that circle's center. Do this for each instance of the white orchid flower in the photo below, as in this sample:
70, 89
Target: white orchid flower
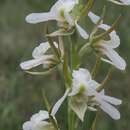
121, 2
39, 122
107, 47
83, 87
84, 96
39, 57
60, 12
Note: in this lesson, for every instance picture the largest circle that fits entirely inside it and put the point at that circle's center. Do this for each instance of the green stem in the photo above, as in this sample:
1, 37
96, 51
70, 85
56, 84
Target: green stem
71, 115
61, 46
71, 53
96, 67
107, 78
54, 122
66, 71
54, 49
84, 49
94, 122
71, 118
87, 8
46, 102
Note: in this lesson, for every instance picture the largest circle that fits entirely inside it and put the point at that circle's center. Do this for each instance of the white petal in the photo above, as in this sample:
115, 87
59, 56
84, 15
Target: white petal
31, 63
81, 74
102, 92
115, 58
93, 84
40, 17
91, 87
81, 78
42, 115
57, 5
114, 41
94, 18
126, 2
104, 26
27, 125
122, 2
116, 2
81, 31
79, 108
42, 125
66, 5
112, 100
75, 88
35, 62
110, 110
59, 103
40, 50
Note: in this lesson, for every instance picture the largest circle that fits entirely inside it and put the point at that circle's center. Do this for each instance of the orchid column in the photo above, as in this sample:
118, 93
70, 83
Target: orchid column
84, 94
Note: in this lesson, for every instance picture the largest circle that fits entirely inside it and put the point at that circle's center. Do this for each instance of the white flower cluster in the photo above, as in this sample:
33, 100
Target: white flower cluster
83, 91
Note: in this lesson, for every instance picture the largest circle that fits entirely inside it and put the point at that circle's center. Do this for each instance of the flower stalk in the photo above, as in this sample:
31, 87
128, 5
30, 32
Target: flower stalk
104, 82
96, 67
87, 8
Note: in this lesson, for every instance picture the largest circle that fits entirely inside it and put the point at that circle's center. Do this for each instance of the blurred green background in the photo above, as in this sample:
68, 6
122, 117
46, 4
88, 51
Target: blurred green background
21, 94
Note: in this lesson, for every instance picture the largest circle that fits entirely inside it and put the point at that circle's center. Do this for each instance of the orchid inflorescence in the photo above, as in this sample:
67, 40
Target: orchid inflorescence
82, 91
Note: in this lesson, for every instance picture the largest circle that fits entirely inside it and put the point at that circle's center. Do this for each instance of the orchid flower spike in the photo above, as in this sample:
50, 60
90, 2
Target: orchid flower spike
61, 12
39, 57
120, 2
106, 47
84, 96
39, 122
